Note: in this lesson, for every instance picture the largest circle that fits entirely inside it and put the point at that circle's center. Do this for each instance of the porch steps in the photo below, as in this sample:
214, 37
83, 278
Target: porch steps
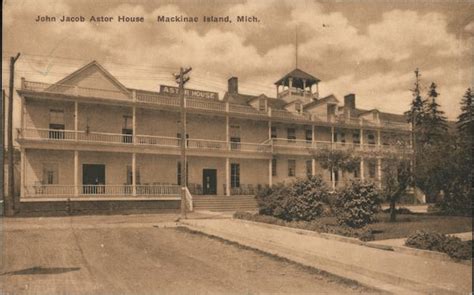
225, 203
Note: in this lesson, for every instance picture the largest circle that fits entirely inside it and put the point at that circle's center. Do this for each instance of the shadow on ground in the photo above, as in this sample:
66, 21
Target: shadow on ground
38, 270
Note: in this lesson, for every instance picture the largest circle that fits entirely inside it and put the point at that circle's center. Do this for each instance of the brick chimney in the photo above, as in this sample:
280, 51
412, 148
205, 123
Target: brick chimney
233, 85
350, 101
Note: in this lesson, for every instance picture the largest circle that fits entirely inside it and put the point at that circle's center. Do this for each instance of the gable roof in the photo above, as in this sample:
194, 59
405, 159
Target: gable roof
328, 99
299, 74
101, 69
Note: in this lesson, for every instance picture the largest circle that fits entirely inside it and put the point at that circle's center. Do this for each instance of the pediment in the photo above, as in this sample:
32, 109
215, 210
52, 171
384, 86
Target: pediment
92, 80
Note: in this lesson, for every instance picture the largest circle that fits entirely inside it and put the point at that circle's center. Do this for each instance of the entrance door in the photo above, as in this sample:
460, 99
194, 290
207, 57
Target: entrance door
93, 178
209, 181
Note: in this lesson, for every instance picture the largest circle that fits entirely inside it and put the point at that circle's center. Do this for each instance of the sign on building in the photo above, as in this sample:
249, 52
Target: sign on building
193, 93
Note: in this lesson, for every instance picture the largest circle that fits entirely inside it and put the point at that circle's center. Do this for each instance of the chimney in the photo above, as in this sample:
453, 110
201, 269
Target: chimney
350, 101
233, 85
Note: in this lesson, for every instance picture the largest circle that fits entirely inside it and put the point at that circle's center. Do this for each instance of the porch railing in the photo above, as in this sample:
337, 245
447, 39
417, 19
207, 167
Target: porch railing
54, 190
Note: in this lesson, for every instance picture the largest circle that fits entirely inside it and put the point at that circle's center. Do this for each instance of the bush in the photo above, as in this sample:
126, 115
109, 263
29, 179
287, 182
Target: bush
429, 240
304, 199
307, 199
357, 204
456, 200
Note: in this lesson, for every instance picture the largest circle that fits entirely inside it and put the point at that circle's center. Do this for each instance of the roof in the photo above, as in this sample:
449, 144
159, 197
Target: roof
100, 68
298, 77
323, 100
244, 99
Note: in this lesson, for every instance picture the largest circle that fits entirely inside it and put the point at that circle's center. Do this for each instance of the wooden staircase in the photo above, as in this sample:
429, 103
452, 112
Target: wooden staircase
225, 203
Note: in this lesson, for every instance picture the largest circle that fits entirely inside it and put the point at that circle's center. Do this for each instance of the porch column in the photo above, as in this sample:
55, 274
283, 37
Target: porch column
304, 88
269, 129
270, 176
134, 174
362, 176
134, 124
23, 113
379, 172
76, 173
76, 118
227, 177
22, 173
361, 137
313, 167
227, 127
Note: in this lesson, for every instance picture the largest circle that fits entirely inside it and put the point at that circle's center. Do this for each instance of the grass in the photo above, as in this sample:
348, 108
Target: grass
405, 225
408, 224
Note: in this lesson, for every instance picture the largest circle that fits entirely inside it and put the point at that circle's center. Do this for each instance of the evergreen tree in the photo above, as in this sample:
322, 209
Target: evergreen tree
435, 122
416, 114
465, 123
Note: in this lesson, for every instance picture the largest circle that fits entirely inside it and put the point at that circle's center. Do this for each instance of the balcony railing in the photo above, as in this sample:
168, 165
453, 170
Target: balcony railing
56, 135
54, 190
155, 98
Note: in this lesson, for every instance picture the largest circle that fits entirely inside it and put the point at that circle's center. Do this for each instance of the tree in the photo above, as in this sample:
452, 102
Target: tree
396, 179
337, 160
465, 123
434, 119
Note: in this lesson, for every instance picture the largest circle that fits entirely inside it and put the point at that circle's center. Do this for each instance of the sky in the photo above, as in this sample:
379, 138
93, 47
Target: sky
370, 48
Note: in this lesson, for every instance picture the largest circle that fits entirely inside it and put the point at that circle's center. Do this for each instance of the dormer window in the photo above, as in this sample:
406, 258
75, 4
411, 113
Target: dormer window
298, 107
262, 105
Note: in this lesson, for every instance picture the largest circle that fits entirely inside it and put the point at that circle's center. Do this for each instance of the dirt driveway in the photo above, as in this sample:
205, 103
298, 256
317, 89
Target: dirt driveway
147, 260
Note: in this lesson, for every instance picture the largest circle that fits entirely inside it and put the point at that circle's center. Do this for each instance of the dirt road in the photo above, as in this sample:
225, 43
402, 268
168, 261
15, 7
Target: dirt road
147, 260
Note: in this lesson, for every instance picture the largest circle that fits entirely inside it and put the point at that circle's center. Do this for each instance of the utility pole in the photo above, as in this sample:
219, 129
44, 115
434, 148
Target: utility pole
181, 79
11, 205
2, 148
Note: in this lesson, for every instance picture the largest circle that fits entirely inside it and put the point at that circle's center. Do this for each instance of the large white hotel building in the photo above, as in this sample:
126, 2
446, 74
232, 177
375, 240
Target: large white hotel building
89, 136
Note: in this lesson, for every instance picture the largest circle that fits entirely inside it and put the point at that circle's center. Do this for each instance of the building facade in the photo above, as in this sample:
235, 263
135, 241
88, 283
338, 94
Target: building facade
90, 136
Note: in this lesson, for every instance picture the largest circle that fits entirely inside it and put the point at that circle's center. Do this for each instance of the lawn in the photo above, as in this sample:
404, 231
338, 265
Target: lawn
405, 225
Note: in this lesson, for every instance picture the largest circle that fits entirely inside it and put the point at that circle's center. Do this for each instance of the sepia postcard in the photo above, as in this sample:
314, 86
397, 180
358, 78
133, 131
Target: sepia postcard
236, 147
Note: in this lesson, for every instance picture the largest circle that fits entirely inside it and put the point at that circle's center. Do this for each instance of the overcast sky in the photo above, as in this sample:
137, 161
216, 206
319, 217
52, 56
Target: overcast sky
369, 48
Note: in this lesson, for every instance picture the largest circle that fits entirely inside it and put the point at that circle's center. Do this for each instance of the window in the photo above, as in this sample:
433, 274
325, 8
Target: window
291, 167
291, 134
234, 175
261, 105
130, 176
50, 173
178, 172
372, 169
357, 172
56, 124
127, 129
309, 135
371, 139
298, 107
356, 138
309, 168
274, 167
274, 132
342, 137
235, 143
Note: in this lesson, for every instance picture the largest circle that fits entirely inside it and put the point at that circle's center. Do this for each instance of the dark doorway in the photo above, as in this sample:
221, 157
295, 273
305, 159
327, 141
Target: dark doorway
93, 178
209, 181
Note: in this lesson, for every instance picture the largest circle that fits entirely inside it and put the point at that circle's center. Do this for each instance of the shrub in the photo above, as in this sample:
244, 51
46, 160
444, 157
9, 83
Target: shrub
307, 199
304, 199
357, 204
434, 241
456, 200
